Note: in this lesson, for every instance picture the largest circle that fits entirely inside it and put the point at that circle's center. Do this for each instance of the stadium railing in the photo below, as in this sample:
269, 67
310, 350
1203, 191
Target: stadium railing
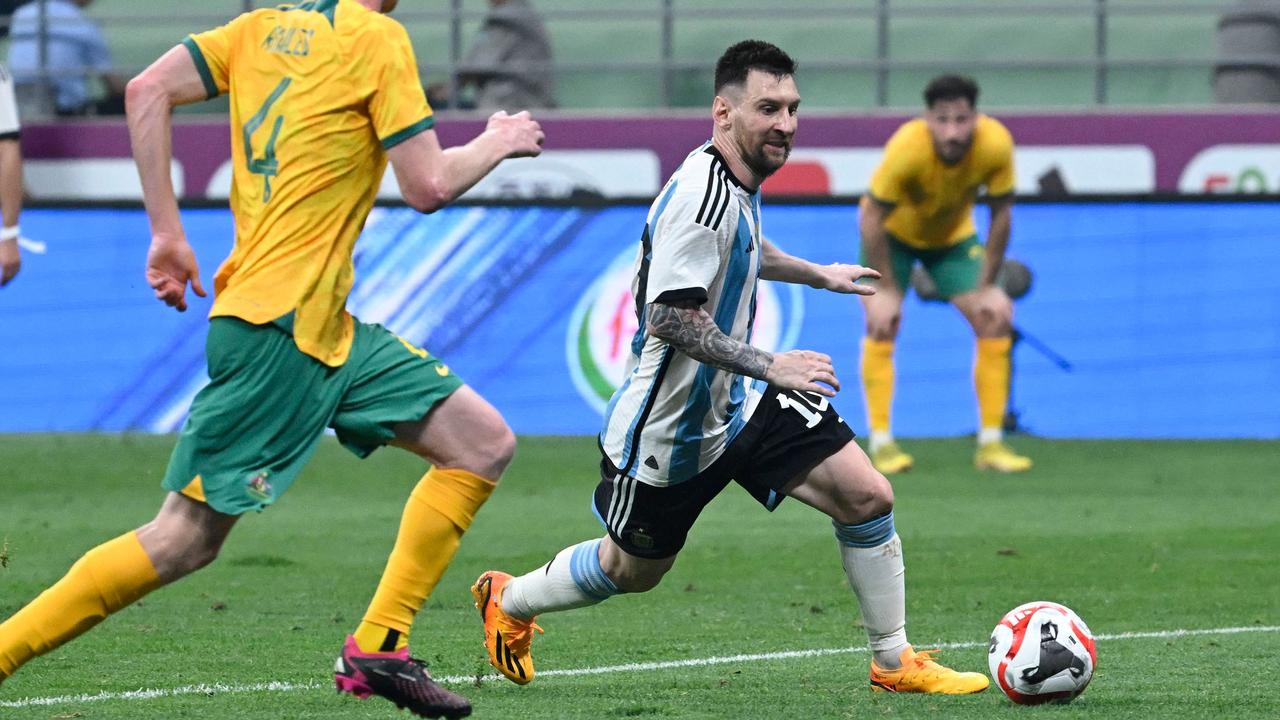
622, 54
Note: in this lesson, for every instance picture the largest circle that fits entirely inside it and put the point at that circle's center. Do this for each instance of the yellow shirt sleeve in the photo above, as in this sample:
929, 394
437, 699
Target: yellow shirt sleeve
398, 105
1001, 180
889, 182
211, 52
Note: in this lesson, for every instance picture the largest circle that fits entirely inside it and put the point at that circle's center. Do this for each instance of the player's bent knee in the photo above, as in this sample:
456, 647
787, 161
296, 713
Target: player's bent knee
877, 506
1000, 324
883, 330
504, 446
995, 328
882, 334
873, 501
466, 433
185, 536
493, 450
198, 556
175, 555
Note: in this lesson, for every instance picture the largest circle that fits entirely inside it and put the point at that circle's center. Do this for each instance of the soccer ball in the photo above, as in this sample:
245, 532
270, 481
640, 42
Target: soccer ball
1042, 652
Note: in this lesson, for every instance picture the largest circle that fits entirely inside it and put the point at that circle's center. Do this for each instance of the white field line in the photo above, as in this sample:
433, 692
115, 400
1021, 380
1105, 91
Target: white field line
223, 689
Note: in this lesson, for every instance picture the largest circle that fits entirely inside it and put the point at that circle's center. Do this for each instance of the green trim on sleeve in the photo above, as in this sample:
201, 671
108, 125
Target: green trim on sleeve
888, 204
395, 139
210, 87
328, 8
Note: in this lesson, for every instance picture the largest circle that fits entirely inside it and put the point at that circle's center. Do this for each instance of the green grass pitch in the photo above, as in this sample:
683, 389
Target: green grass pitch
1135, 536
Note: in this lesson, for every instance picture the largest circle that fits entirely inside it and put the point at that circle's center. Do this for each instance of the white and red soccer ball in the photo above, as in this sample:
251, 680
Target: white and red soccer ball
1042, 652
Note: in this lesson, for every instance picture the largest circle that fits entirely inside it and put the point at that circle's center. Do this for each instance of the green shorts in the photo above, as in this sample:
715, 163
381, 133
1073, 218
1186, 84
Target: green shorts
258, 421
954, 269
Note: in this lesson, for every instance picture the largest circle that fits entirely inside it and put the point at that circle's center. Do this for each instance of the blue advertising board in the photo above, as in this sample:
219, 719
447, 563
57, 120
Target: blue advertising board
1168, 315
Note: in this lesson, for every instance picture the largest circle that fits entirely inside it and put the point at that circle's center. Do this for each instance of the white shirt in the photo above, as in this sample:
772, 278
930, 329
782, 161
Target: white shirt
673, 416
9, 125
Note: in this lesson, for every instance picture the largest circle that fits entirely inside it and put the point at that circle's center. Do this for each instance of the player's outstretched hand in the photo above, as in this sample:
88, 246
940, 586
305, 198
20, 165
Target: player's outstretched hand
804, 370
520, 133
10, 260
170, 266
842, 278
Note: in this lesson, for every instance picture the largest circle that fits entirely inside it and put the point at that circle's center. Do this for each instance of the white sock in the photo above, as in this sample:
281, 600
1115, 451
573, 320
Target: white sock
872, 556
573, 579
990, 435
880, 438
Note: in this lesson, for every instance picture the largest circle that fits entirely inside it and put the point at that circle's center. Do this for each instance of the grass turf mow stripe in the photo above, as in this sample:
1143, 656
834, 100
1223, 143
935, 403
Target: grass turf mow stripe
221, 689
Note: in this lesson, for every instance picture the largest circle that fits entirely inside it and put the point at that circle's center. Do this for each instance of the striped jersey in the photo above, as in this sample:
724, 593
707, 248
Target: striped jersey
673, 416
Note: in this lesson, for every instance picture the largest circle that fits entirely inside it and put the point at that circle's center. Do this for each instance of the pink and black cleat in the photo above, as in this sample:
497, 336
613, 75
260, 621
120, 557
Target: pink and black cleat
397, 677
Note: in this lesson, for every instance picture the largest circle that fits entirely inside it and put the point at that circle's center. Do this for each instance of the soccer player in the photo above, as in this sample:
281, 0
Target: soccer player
10, 181
323, 94
920, 209
701, 407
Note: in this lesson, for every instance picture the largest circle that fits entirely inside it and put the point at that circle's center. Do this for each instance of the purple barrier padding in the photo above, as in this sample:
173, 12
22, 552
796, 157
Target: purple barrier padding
1174, 138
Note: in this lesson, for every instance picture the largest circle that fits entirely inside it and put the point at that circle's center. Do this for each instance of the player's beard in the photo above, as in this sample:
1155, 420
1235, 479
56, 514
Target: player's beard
389, 5
952, 152
759, 159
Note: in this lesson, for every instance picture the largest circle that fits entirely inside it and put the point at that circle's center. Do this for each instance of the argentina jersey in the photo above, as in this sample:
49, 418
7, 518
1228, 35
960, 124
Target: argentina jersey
673, 416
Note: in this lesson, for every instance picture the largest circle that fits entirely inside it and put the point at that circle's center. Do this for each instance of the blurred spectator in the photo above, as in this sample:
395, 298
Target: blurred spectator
74, 51
10, 181
1248, 63
509, 64
6, 13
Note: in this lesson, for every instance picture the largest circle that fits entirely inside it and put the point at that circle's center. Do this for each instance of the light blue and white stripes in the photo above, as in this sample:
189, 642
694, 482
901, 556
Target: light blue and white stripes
588, 575
872, 533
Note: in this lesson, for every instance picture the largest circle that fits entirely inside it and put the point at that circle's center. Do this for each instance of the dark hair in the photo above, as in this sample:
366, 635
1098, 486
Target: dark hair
951, 87
748, 55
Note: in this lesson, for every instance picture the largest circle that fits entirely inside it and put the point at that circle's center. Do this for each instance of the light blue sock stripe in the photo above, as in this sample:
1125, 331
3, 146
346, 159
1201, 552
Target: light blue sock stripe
872, 533
601, 580
588, 575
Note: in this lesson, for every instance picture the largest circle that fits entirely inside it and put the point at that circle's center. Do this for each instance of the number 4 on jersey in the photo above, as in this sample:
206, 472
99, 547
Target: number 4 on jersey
267, 166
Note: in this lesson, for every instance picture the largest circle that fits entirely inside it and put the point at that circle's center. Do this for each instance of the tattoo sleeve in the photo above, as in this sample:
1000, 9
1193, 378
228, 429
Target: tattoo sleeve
692, 331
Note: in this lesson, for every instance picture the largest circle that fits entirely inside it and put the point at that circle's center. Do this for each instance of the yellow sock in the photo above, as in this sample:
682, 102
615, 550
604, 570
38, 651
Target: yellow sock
106, 579
439, 511
877, 382
991, 379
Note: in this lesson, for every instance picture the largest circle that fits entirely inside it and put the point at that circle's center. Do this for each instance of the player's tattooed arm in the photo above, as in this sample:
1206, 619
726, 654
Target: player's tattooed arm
689, 329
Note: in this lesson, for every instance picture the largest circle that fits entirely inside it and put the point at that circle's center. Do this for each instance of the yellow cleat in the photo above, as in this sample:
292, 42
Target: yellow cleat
921, 674
507, 639
890, 459
1000, 457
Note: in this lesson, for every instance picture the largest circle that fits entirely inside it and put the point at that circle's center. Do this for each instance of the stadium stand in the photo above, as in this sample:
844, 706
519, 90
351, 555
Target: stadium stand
609, 53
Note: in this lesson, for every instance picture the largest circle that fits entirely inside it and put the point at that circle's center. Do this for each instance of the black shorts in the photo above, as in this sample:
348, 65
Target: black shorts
790, 434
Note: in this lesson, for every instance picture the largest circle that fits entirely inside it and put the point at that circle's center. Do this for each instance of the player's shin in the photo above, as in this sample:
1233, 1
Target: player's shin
877, 382
573, 579
438, 512
106, 579
872, 556
991, 381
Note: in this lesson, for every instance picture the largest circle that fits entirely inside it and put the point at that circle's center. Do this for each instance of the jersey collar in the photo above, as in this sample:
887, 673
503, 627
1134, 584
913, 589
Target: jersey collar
728, 171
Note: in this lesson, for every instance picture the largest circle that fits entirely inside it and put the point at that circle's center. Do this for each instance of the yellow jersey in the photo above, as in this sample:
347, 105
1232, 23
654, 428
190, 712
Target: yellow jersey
932, 201
319, 91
